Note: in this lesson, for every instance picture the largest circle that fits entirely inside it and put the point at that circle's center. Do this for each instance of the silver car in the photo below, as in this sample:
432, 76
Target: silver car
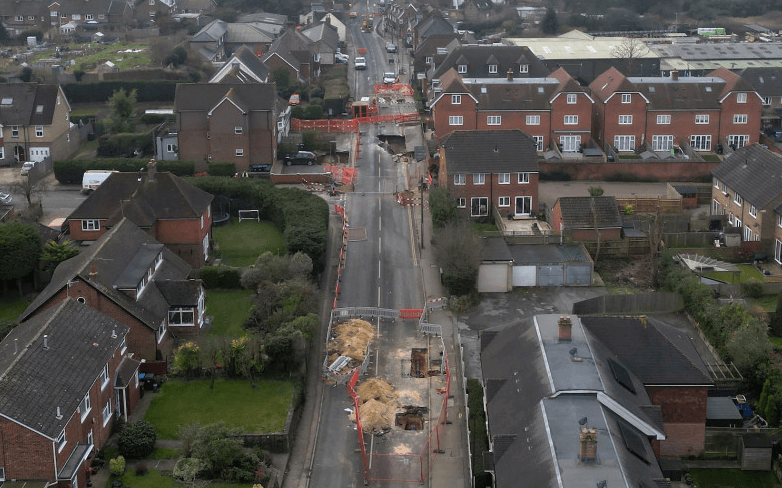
5, 198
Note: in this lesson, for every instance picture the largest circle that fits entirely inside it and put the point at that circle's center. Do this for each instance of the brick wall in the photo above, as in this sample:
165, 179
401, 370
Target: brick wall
74, 227
185, 237
444, 109
683, 440
684, 418
493, 190
683, 126
614, 108
661, 171
752, 109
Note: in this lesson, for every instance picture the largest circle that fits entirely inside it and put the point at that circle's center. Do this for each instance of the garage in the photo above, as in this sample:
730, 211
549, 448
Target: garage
551, 275
495, 271
550, 265
578, 275
524, 275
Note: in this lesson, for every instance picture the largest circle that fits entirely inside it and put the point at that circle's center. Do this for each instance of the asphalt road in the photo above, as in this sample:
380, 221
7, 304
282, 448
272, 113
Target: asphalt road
58, 200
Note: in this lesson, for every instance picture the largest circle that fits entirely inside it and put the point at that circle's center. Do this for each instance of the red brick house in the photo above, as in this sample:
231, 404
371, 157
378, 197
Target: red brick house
748, 188
491, 170
587, 218
227, 123
171, 210
65, 376
137, 281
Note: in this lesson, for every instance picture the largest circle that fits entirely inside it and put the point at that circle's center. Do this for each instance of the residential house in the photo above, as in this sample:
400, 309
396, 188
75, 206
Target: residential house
767, 82
198, 6
137, 281
92, 16
265, 21
491, 171
244, 66
562, 410
491, 61
227, 122
330, 18
174, 212
400, 18
431, 25
218, 40
325, 40
209, 42
748, 188
35, 123
18, 17
65, 376
587, 218
296, 53
145, 11
484, 11
424, 56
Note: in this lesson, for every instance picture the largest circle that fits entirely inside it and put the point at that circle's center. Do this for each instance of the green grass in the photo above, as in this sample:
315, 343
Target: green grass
484, 227
711, 478
241, 243
85, 113
153, 479
164, 453
712, 158
766, 302
262, 409
10, 308
121, 60
746, 273
777, 341
230, 309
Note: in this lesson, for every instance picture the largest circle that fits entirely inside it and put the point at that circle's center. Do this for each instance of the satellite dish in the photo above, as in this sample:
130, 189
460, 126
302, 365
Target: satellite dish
574, 351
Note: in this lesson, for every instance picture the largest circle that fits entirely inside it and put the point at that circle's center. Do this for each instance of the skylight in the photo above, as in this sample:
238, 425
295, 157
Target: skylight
546, 50
39, 109
621, 375
591, 49
7, 101
633, 442
708, 88
651, 89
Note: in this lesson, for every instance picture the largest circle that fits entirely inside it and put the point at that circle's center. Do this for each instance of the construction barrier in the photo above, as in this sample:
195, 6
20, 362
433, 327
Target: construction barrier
410, 313
342, 174
350, 125
395, 89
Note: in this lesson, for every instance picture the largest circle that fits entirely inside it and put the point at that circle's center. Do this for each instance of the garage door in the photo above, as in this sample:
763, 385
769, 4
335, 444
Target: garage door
550, 275
493, 278
38, 154
524, 276
579, 275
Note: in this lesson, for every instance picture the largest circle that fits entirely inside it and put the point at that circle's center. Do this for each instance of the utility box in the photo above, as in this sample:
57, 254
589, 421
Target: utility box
32, 41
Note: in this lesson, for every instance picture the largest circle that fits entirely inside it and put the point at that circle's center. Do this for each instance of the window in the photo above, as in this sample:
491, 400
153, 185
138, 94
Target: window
107, 412
38, 131
504, 202
538, 142
462, 68
53, 13
738, 141
702, 119
429, 60
737, 199
524, 68
570, 143
90, 440
76, 16
479, 207
89, 17
461, 202
492, 69
459, 179
625, 119
523, 178
14, 131
523, 206
737, 223
202, 221
571, 119
238, 129
753, 211
181, 316
158, 260
456, 99
766, 100
171, 148
20, 18
479, 179
85, 406
624, 143
663, 119
503, 178
740, 119
152, 2
741, 98
701, 143
494, 120
748, 234
61, 441
626, 98
239, 153
716, 183
455, 120
90, 225
662, 143
715, 207
778, 251
779, 221
161, 332
571, 98
104, 376
533, 119
64, 15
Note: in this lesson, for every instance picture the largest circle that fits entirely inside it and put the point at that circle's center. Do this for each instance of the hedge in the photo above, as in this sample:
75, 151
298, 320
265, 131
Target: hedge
72, 170
146, 91
221, 277
124, 144
222, 169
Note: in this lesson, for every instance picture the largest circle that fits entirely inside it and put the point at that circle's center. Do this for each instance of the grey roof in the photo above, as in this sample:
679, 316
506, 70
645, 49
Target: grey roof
322, 32
180, 293
247, 34
166, 197
495, 151
205, 96
778, 208
34, 380
772, 50
265, 17
688, 92
126, 371
211, 32
657, 358
535, 411
138, 265
495, 249
721, 408
753, 172
23, 102
111, 255
477, 59
580, 212
250, 61
525, 254
766, 81
517, 94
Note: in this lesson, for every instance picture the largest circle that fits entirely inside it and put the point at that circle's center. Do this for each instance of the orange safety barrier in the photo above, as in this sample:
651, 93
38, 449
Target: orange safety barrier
410, 313
339, 209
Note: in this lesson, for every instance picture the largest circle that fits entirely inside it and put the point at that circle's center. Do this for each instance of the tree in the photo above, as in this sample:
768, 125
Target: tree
282, 78
177, 57
123, 106
20, 246
549, 24
442, 207
593, 210
776, 318
26, 75
628, 52
137, 441
458, 252
54, 253
3, 34
32, 188
749, 345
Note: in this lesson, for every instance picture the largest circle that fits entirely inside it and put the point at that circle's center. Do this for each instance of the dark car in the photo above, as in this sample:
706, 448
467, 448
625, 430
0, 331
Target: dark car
260, 168
301, 157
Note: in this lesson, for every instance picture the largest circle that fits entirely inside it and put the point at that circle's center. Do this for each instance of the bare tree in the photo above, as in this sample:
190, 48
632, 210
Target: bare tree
32, 188
629, 51
593, 208
458, 252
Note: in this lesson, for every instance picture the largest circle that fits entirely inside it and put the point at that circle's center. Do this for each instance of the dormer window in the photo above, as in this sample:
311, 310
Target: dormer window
524, 68
429, 60
492, 69
158, 260
741, 98
462, 68
456, 99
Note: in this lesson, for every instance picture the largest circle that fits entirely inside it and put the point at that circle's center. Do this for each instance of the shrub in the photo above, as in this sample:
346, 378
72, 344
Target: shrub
595, 191
752, 288
141, 469
556, 175
221, 277
222, 169
186, 469
117, 466
137, 441
186, 357
772, 412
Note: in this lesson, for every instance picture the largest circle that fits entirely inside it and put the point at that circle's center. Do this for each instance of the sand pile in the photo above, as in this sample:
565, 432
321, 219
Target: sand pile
350, 339
376, 415
377, 389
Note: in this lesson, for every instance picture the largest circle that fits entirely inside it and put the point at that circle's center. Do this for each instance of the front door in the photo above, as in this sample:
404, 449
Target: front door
523, 206
19, 154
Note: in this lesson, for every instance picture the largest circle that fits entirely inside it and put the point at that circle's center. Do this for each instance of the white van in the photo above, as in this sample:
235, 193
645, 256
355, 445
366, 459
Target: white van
93, 178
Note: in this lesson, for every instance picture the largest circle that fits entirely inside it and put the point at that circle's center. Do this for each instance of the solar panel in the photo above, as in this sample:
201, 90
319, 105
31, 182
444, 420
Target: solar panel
621, 375
634, 443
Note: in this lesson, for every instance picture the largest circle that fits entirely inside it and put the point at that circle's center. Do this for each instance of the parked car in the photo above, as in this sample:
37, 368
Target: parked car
389, 78
27, 166
390, 47
360, 63
353, 14
260, 168
301, 157
5, 198
295, 99
341, 58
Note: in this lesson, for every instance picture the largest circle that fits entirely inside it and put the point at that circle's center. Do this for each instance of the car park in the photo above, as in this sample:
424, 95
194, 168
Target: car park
360, 63
390, 47
389, 78
27, 167
301, 157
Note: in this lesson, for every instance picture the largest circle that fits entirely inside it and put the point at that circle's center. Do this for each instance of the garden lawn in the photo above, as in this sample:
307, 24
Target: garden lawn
746, 273
122, 60
10, 308
153, 479
710, 478
777, 341
230, 309
240, 244
262, 409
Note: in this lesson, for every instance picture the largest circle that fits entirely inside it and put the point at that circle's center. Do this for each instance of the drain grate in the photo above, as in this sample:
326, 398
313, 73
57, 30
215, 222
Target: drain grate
357, 234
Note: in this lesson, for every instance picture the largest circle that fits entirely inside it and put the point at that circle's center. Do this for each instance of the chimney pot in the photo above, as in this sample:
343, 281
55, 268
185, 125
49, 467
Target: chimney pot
93, 270
151, 169
509, 74
59, 414
675, 75
587, 452
565, 329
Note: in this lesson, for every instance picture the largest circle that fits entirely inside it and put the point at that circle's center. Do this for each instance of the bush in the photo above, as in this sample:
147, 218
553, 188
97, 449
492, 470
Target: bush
71, 171
141, 469
556, 175
221, 277
595, 191
186, 469
222, 169
137, 441
117, 466
186, 357
752, 288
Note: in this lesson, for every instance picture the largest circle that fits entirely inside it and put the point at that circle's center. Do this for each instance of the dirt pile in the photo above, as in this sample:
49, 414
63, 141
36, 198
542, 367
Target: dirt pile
350, 339
377, 389
376, 416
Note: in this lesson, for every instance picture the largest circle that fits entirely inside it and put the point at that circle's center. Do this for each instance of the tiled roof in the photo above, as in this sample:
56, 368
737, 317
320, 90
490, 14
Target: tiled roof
753, 172
580, 212
204, 96
23, 102
126, 371
766, 81
180, 293
519, 94
211, 32
35, 380
610, 82
496, 151
476, 57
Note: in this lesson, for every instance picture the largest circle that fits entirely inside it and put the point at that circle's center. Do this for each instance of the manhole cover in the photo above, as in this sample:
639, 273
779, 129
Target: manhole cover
357, 234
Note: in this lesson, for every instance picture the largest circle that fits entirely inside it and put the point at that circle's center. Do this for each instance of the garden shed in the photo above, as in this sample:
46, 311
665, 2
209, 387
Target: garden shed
755, 452
551, 265
722, 412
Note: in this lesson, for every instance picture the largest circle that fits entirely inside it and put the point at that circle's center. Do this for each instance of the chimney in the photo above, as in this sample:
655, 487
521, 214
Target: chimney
59, 414
509, 74
565, 329
587, 452
151, 169
114, 334
45, 342
675, 74
93, 271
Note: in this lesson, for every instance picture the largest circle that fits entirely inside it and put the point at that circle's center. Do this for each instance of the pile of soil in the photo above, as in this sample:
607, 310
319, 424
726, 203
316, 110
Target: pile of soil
376, 389
376, 416
350, 339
